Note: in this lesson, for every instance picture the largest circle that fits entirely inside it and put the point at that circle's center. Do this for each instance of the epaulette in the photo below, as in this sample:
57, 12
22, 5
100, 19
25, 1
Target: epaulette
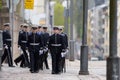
62, 34
21, 32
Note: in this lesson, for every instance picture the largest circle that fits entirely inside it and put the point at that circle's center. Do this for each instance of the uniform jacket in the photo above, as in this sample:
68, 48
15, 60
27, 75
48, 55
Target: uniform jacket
65, 37
23, 38
58, 41
34, 38
6, 38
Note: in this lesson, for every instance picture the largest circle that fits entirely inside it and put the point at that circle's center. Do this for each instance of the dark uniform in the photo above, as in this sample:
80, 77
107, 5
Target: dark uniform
45, 39
63, 66
65, 38
34, 45
7, 45
22, 42
41, 56
56, 46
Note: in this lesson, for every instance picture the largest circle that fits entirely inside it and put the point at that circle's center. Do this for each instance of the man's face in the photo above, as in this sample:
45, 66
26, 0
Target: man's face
40, 29
7, 28
60, 31
56, 31
25, 29
44, 30
34, 30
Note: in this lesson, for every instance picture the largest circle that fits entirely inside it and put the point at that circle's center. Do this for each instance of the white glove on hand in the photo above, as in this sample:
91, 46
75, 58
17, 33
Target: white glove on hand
45, 50
40, 52
19, 48
6, 47
63, 54
67, 51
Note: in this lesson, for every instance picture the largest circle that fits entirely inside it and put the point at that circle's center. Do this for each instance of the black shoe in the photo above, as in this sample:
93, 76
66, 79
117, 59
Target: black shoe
32, 71
53, 72
47, 67
15, 63
36, 71
61, 71
23, 66
41, 68
58, 73
12, 66
28, 66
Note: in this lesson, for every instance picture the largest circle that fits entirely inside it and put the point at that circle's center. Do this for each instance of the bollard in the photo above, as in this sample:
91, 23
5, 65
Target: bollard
1, 47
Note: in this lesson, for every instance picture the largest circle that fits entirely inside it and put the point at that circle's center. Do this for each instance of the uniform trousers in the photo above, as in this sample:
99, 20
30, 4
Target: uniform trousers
56, 61
23, 58
62, 63
7, 55
34, 59
45, 59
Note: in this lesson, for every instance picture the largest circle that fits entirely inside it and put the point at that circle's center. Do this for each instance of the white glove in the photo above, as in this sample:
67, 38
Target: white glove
63, 54
45, 50
19, 48
6, 47
40, 52
66, 51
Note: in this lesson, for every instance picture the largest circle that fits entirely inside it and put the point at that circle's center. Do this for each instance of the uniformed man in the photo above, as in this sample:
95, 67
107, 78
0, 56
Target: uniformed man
35, 47
65, 37
7, 45
64, 34
56, 46
22, 42
41, 56
46, 38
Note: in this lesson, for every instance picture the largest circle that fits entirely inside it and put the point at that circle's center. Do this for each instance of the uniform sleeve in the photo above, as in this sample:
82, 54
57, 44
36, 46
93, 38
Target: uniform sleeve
66, 37
28, 41
19, 38
41, 41
49, 42
3, 38
63, 44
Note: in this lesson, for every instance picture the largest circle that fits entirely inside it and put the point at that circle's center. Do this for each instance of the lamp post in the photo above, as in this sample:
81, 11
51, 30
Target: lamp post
66, 18
1, 47
11, 13
113, 61
66, 15
71, 32
12, 21
84, 47
51, 13
23, 8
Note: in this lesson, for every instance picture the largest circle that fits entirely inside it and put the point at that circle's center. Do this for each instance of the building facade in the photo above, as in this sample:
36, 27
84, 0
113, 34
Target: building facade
98, 31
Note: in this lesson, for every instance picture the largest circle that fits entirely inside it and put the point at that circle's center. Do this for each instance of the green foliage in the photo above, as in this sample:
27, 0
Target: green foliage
58, 14
58, 1
77, 12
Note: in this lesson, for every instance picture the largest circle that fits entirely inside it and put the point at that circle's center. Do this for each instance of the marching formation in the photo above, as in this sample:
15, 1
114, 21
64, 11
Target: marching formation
35, 45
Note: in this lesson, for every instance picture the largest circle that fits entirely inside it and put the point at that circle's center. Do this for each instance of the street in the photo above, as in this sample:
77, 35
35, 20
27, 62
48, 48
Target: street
97, 70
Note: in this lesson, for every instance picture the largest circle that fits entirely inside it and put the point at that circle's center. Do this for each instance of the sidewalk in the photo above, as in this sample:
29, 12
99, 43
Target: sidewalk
97, 71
